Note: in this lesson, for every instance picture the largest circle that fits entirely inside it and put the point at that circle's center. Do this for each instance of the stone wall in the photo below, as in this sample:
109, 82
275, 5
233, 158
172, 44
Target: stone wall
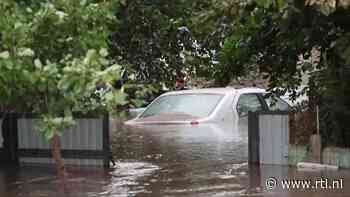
330, 155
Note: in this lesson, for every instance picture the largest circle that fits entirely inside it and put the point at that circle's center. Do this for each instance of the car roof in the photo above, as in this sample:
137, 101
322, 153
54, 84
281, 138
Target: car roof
226, 90
251, 90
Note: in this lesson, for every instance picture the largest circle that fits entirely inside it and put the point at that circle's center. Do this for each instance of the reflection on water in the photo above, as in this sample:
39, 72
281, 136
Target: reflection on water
168, 161
125, 179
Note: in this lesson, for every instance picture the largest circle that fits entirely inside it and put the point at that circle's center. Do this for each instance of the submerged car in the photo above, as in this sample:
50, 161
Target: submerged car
211, 105
195, 137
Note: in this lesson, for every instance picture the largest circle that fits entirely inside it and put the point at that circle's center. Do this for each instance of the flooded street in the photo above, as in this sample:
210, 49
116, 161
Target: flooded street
170, 161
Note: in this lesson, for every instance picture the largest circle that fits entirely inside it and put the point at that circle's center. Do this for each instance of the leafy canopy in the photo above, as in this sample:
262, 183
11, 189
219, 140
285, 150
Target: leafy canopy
53, 55
295, 43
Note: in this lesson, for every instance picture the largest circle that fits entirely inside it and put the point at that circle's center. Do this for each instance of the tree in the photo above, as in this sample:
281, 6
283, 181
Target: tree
53, 55
154, 40
158, 39
278, 38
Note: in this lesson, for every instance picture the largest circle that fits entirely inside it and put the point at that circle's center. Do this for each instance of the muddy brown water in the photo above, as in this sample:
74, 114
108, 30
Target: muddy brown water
171, 161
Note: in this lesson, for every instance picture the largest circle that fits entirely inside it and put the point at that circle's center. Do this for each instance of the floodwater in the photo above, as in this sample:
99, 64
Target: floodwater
152, 161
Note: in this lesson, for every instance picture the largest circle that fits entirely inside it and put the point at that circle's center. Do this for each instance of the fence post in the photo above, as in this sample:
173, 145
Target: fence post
253, 137
10, 139
106, 141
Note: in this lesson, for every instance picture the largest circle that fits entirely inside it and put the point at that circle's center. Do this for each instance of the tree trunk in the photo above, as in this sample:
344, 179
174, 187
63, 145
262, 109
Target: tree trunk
56, 155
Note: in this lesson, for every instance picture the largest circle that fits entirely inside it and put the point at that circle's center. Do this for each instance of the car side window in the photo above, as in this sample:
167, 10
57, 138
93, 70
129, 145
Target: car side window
275, 103
248, 102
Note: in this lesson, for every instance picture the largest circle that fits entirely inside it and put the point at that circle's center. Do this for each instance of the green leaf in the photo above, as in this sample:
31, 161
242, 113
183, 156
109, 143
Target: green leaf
90, 55
64, 84
264, 3
280, 4
49, 133
4, 55
38, 64
103, 52
25, 52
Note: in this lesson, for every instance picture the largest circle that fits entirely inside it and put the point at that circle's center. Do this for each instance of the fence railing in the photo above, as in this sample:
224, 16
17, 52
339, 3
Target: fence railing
86, 143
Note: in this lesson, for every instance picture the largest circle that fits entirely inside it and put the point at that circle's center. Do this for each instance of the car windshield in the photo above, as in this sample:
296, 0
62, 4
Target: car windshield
196, 105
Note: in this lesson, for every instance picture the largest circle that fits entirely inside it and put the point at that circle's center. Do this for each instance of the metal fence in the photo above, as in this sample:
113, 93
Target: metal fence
87, 143
268, 137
